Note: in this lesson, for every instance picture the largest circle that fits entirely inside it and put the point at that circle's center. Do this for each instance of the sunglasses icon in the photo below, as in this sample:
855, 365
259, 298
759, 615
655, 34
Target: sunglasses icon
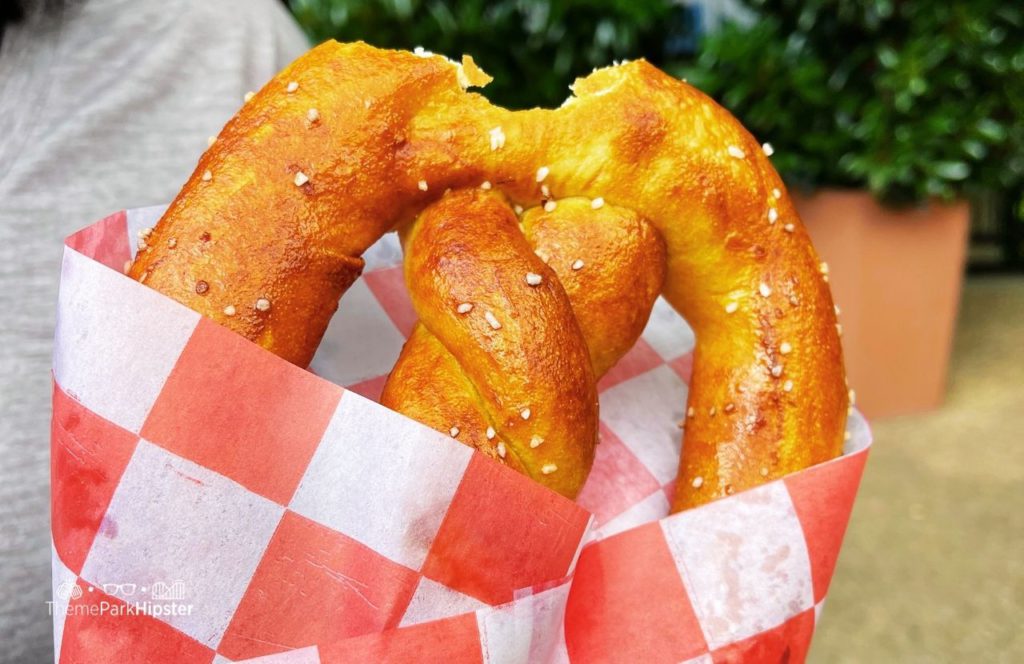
123, 588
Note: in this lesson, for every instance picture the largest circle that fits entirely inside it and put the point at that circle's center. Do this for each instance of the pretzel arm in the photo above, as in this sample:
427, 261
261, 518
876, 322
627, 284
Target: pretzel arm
614, 288
504, 318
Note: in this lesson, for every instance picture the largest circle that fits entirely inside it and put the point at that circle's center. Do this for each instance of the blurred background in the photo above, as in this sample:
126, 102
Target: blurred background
899, 127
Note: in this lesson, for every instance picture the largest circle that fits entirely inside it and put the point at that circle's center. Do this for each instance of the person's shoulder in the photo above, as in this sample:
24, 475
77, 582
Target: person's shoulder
263, 30
255, 19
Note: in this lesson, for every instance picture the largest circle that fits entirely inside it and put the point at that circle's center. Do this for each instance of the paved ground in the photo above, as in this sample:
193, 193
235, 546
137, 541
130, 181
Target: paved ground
933, 565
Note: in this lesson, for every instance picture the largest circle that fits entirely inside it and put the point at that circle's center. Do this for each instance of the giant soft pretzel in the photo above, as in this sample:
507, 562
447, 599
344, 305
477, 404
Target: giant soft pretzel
350, 142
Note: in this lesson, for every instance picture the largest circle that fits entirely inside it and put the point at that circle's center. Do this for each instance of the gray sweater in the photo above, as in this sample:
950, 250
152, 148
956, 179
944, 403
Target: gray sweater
102, 107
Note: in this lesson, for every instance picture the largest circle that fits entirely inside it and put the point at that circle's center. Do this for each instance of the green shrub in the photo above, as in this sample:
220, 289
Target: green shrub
534, 49
911, 99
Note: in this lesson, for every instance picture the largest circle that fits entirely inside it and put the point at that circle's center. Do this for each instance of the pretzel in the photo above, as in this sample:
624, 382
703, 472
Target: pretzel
350, 142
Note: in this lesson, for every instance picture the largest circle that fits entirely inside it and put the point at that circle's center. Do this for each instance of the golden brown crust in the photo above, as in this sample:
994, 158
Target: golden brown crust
427, 384
611, 264
469, 243
518, 345
388, 121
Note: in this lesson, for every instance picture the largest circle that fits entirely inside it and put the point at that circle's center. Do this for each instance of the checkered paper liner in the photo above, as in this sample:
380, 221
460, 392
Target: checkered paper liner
213, 503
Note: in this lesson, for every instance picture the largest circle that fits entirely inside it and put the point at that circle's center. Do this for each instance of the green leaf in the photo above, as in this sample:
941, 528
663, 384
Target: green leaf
952, 170
991, 129
976, 149
887, 56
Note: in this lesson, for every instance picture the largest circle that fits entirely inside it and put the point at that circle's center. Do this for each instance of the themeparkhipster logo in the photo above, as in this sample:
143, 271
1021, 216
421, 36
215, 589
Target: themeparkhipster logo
160, 599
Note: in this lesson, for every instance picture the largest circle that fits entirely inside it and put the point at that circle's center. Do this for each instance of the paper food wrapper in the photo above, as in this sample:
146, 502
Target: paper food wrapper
213, 503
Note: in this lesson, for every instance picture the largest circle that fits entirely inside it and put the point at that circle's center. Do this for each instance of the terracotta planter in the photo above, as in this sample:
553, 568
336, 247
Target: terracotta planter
896, 275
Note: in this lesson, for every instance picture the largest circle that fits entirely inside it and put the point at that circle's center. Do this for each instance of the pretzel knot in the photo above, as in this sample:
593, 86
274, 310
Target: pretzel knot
515, 327
637, 185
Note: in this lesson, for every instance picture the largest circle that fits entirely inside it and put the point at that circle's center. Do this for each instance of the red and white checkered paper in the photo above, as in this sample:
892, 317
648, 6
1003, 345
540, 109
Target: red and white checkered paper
301, 522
